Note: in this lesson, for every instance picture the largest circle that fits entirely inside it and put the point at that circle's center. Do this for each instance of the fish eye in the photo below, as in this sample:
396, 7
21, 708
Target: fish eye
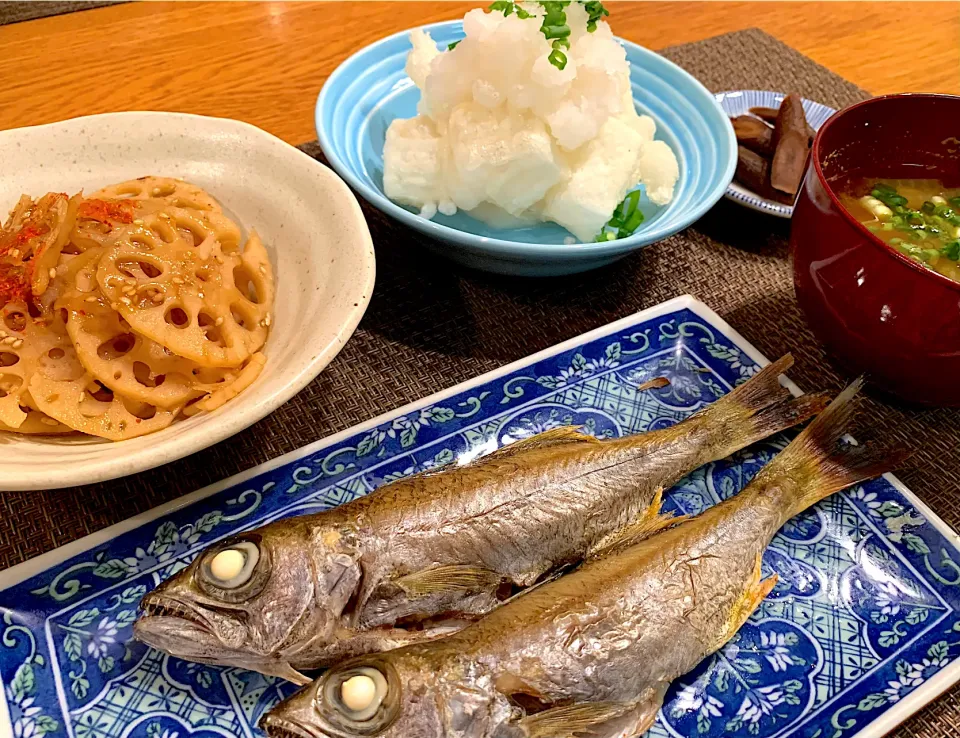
361, 699
232, 567
230, 571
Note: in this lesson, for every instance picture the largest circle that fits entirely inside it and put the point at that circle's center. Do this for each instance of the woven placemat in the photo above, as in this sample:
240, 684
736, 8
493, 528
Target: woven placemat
14, 12
432, 324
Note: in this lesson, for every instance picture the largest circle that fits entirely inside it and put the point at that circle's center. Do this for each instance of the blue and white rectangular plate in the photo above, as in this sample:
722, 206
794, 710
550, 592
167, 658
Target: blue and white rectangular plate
862, 630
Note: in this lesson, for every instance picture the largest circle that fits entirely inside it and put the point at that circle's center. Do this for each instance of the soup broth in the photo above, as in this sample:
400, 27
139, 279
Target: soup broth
920, 218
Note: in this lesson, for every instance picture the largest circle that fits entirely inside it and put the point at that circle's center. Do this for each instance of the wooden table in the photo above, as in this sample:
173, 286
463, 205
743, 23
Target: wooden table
265, 62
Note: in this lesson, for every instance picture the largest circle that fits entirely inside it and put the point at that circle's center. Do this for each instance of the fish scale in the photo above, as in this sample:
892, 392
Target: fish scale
593, 653
422, 556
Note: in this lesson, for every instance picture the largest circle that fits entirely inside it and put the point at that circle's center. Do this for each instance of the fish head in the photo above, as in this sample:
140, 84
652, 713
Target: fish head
407, 693
240, 602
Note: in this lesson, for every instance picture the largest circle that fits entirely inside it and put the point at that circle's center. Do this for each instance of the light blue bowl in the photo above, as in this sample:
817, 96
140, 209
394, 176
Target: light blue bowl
370, 89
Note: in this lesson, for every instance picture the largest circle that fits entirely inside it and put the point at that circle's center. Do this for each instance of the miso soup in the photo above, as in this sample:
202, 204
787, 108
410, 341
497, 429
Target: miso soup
920, 218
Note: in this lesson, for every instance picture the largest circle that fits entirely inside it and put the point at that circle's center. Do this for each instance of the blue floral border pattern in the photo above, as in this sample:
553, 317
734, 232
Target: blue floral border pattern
865, 611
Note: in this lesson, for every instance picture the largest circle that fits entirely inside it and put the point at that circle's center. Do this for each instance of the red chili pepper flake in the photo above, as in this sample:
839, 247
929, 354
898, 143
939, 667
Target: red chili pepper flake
18, 250
108, 211
14, 283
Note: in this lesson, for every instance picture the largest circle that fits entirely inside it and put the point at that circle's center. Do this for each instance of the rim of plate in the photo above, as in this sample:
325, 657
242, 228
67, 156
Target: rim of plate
230, 423
744, 196
521, 248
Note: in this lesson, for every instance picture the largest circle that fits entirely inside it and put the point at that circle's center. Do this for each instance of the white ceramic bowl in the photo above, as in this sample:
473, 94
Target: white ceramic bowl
309, 220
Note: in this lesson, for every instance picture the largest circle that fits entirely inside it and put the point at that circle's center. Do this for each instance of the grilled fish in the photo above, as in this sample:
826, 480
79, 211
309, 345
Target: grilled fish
593, 652
421, 556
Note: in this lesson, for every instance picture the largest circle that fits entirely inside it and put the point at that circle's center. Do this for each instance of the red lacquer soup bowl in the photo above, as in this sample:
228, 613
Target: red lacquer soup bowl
877, 311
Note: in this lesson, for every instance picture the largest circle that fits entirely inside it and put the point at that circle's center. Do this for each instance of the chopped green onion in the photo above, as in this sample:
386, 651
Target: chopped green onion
952, 250
617, 218
883, 187
909, 249
554, 25
930, 254
633, 222
955, 201
595, 11
626, 218
631, 202
928, 207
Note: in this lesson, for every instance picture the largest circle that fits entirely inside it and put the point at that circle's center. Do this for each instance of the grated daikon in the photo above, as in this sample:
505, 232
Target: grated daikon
505, 135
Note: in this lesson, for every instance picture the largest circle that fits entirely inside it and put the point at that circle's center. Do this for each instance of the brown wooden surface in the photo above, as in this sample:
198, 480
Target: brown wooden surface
265, 62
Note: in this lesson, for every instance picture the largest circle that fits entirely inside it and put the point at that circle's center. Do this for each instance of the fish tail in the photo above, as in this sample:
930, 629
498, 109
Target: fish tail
821, 463
757, 409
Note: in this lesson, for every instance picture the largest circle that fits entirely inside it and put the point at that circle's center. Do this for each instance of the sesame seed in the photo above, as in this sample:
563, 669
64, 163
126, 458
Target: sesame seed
49, 421
177, 280
158, 298
138, 221
263, 269
52, 273
156, 191
218, 321
18, 343
91, 299
125, 300
266, 320
9, 339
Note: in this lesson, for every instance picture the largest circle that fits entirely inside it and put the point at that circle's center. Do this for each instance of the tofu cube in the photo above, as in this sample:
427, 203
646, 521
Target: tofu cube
585, 201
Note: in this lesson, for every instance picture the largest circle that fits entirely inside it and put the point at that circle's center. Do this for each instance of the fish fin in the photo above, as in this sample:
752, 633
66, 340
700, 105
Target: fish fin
572, 721
651, 522
596, 719
757, 409
285, 671
553, 437
756, 592
453, 577
820, 463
